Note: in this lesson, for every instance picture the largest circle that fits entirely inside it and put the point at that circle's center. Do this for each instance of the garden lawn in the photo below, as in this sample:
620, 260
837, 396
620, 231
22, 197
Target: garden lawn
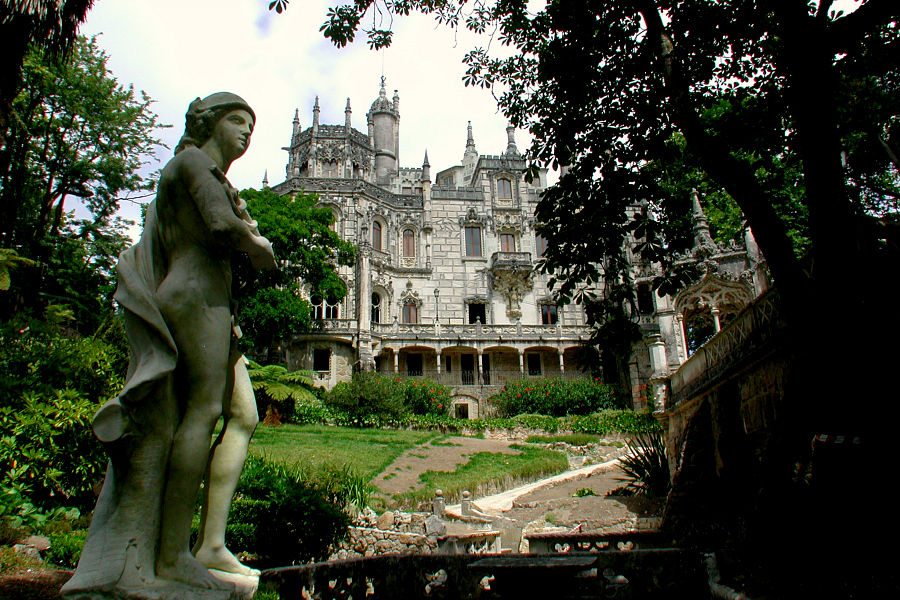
483, 469
367, 451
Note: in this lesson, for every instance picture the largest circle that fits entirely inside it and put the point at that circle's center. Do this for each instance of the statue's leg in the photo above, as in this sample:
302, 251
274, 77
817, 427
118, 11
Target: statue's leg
228, 455
201, 381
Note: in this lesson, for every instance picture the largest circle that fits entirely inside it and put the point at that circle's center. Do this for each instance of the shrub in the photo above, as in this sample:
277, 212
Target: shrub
65, 548
291, 514
646, 466
50, 387
425, 397
367, 400
555, 397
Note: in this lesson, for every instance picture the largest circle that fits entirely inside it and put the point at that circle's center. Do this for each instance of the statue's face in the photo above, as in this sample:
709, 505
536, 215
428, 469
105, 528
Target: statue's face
232, 134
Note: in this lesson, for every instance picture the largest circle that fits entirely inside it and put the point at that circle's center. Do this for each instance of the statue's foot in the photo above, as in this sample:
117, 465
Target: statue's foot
188, 570
222, 559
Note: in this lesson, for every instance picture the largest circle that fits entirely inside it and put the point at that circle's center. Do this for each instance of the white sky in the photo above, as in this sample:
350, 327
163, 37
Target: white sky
176, 50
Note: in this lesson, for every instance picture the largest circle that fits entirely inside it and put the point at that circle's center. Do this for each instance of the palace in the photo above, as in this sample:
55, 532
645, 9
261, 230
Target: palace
445, 284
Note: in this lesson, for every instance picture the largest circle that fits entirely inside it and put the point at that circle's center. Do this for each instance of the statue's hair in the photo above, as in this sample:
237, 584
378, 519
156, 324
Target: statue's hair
203, 115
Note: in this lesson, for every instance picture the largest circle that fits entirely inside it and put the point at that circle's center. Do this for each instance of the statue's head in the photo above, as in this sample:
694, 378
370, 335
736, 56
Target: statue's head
203, 115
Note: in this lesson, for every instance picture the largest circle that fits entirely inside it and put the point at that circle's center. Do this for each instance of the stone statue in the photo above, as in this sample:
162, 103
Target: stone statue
185, 374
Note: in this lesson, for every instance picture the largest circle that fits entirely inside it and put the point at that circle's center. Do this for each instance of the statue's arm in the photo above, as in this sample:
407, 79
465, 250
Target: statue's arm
215, 207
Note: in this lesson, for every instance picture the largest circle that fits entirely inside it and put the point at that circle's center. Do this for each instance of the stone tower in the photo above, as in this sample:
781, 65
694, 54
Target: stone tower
384, 133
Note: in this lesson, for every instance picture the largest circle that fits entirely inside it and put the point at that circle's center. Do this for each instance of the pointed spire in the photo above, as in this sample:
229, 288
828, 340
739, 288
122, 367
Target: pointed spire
316, 113
296, 121
347, 113
426, 168
396, 101
470, 139
511, 148
702, 236
265, 181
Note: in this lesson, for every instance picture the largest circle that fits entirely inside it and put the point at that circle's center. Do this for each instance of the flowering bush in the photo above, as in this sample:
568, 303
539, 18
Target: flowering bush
371, 399
555, 397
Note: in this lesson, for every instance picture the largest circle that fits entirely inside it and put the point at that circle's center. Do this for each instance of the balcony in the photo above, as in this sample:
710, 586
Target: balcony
511, 260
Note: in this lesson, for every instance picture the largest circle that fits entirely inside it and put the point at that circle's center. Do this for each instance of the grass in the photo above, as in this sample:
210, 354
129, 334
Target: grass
368, 451
484, 468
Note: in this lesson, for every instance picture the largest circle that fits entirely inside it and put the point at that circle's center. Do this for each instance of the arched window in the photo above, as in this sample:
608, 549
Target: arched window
376, 308
409, 243
410, 312
504, 189
323, 310
507, 242
376, 235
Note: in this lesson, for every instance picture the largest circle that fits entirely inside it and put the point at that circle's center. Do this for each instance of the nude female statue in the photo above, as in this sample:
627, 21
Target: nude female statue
185, 373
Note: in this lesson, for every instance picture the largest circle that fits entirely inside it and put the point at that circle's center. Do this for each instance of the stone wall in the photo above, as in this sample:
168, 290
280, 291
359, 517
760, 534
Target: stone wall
388, 533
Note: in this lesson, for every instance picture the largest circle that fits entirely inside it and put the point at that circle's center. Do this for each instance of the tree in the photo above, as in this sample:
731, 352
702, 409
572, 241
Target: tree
309, 252
765, 94
77, 134
37, 24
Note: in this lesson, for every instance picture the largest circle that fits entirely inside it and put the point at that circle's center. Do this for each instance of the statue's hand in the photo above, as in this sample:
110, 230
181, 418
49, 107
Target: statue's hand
261, 254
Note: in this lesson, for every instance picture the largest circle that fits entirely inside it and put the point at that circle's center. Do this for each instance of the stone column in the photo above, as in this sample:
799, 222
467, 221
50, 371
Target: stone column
478, 359
364, 305
396, 362
521, 361
658, 361
715, 315
562, 366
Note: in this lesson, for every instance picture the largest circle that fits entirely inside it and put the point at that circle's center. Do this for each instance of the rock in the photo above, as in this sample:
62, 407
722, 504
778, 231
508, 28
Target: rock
386, 520
28, 551
434, 526
38, 542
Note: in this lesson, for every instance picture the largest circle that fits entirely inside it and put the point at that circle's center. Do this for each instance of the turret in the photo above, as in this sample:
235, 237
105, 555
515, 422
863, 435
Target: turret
347, 112
470, 157
702, 237
384, 128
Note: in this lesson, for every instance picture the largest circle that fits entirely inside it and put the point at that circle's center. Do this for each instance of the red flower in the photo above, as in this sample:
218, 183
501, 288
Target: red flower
398, 379
414, 383
433, 400
518, 395
440, 406
548, 393
502, 389
432, 390
527, 389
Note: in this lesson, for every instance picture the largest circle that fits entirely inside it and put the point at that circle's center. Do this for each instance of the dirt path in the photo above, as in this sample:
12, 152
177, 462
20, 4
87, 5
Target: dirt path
444, 455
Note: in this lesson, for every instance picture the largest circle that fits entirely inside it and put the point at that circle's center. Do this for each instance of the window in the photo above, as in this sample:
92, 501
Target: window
322, 360
504, 189
414, 365
448, 362
376, 308
473, 241
645, 299
548, 314
323, 310
476, 313
507, 242
534, 364
410, 313
333, 225
540, 245
462, 411
409, 243
376, 235
407, 191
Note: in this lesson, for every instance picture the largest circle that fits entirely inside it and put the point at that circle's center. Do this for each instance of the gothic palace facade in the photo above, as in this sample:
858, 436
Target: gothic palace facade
444, 285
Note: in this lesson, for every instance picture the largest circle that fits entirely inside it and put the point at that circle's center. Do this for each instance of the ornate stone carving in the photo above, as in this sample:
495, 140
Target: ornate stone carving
409, 295
512, 283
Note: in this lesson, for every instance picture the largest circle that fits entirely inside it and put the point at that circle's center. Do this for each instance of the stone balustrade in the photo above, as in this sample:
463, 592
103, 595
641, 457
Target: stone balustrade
668, 572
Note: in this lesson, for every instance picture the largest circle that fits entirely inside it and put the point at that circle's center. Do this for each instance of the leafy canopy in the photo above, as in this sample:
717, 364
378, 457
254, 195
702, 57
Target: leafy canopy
77, 136
309, 254
783, 126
